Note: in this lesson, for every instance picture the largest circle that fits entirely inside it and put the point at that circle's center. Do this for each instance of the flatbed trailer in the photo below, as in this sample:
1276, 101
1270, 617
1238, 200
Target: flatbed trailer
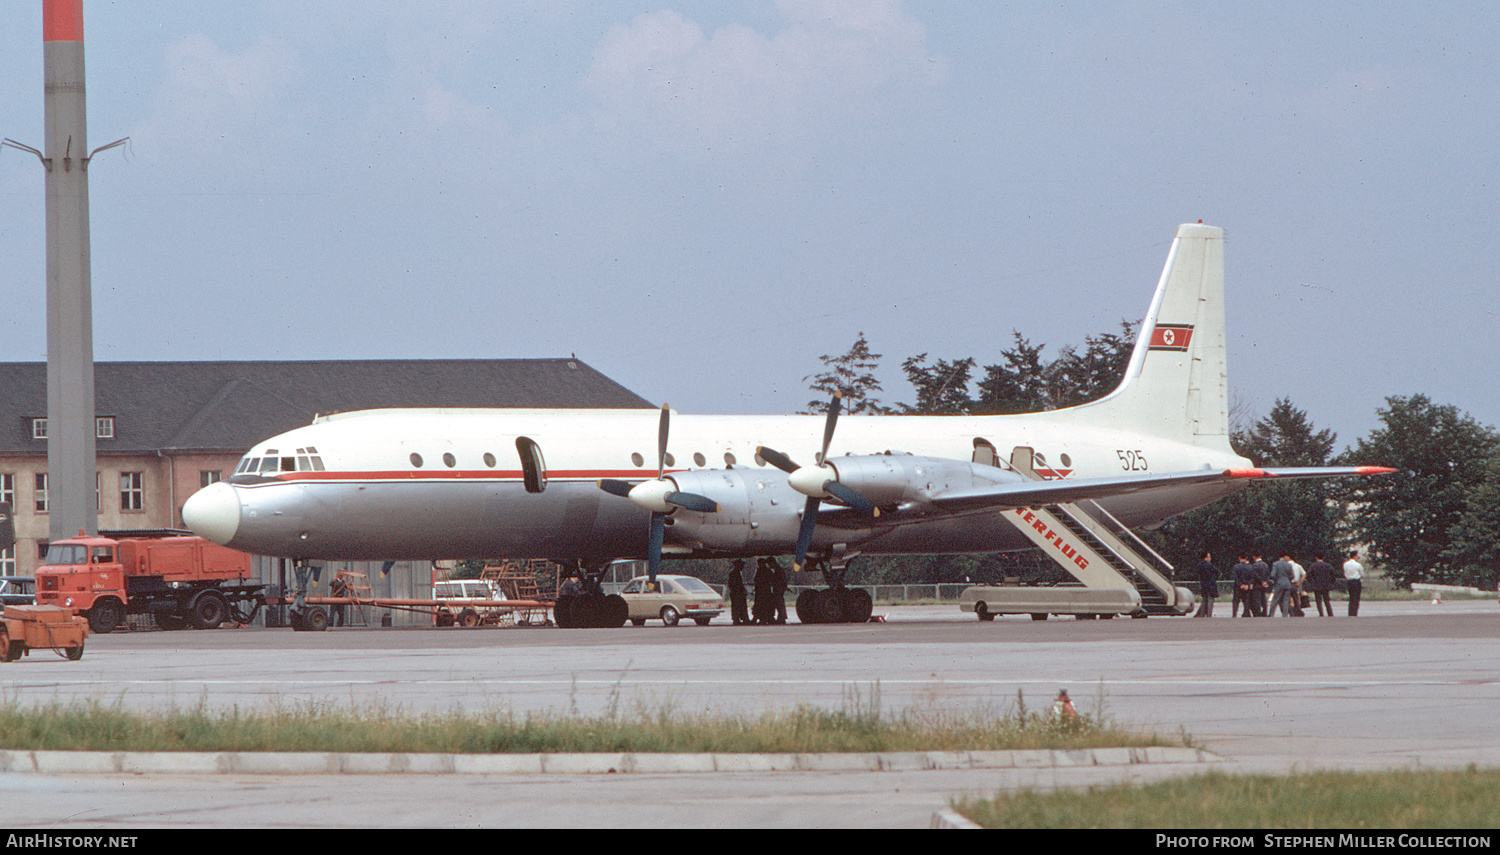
987, 601
316, 618
27, 628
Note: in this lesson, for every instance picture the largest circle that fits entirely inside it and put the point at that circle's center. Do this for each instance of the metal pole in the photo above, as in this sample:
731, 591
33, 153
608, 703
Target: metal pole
71, 452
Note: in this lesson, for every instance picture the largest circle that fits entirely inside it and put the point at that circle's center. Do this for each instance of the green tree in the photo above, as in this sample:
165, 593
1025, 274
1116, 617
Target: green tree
1408, 518
852, 375
1024, 383
1300, 518
942, 388
1474, 544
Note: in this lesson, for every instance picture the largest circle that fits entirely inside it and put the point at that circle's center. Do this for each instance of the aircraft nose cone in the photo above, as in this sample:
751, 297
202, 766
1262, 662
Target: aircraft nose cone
213, 513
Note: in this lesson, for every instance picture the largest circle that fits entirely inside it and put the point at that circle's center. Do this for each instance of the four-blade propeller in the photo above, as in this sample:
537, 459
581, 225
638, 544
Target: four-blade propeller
659, 496
817, 482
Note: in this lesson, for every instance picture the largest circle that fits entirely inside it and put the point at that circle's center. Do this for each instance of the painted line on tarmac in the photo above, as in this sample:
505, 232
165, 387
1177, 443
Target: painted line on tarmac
249, 683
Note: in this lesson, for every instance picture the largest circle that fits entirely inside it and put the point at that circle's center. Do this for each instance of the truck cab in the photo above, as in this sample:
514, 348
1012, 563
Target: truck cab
84, 575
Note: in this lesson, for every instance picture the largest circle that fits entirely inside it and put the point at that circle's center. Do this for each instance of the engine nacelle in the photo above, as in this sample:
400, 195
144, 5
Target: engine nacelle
758, 512
895, 478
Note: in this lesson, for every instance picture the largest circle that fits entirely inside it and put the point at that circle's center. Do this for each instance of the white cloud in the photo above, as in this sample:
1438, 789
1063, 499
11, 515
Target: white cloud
664, 78
212, 98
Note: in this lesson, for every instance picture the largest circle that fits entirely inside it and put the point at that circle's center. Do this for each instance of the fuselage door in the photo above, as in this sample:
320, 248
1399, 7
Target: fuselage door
533, 467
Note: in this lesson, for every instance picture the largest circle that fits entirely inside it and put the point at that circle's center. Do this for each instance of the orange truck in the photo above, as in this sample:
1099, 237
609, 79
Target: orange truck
180, 580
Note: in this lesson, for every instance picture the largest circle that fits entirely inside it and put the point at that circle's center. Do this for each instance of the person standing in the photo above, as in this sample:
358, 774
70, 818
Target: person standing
1281, 584
1299, 579
1354, 581
1320, 580
762, 613
1244, 579
1262, 587
1208, 584
778, 592
737, 611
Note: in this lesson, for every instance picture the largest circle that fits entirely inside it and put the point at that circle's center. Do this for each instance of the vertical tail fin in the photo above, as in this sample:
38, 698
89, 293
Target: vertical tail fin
1175, 385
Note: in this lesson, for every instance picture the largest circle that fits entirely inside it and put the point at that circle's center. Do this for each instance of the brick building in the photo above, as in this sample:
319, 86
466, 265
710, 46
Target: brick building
166, 429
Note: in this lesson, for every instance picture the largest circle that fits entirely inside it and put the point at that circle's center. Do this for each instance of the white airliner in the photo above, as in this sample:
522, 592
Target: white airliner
590, 486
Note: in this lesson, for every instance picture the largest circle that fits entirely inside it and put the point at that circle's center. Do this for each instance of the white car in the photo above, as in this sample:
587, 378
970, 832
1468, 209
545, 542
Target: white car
672, 599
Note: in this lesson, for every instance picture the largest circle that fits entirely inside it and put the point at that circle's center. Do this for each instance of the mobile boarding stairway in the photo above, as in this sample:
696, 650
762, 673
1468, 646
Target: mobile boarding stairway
1116, 571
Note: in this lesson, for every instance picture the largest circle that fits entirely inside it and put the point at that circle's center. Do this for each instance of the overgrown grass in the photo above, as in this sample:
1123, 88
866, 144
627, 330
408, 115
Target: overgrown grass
1397, 799
859, 726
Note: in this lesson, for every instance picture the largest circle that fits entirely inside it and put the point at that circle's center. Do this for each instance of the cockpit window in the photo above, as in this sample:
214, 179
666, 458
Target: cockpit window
268, 465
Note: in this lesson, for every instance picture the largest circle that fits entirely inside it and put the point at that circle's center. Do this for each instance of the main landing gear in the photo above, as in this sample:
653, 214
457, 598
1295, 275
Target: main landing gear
588, 607
836, 603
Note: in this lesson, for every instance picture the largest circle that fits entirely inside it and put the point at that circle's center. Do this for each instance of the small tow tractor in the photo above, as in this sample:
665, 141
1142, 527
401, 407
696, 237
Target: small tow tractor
26, 628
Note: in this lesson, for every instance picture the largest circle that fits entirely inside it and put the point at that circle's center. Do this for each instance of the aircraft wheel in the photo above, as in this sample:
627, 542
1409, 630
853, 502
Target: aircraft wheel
804, 606
1039, 616
669, 616
616, 611
858, 605
829, 606
562, 611
104, 616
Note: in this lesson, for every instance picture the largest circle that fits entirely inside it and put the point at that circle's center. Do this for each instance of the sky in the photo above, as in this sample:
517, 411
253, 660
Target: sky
700, 199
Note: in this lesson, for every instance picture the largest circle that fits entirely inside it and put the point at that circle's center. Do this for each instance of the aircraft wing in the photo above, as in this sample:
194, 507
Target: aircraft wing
1034, 493
1031, 493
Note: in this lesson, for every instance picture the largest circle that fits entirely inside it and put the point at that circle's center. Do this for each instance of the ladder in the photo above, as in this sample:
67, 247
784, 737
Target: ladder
1097, 549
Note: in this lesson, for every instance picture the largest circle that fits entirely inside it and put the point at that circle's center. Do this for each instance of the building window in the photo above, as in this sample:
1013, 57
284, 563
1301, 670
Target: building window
40, 493
8, 560
38, 428
104, 427
8, 489
132, 491
209, 476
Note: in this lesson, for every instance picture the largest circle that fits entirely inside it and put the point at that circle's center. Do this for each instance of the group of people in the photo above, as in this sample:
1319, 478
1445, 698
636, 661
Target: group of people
770, 594
1261, 589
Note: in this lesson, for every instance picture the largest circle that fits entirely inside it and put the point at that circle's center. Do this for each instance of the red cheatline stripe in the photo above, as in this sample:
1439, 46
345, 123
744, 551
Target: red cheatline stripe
62, 21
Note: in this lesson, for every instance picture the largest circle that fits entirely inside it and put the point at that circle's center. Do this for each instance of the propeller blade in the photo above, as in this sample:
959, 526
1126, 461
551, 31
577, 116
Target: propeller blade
661, 441
615, 487
805, 533
693, 502
777, 459
653, 552
833, 419
852, 498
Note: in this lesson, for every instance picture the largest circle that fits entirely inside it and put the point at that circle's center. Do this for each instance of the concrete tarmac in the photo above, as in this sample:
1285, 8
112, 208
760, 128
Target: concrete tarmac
1405, 684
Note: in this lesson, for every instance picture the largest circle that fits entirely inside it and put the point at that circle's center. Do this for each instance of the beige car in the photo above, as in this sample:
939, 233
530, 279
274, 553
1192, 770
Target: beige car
672, 599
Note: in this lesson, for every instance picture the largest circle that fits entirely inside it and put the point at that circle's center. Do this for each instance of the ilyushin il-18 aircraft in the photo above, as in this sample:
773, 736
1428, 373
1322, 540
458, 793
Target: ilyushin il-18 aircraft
590, 486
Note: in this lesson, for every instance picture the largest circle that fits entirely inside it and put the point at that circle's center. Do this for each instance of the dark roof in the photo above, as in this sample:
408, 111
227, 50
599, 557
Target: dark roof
230, 406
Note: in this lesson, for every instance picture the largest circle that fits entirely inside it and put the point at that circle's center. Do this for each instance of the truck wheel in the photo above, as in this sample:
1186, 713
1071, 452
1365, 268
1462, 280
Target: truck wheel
75, 653
316, 620
207, 610
5, 647
104, 617
468, 617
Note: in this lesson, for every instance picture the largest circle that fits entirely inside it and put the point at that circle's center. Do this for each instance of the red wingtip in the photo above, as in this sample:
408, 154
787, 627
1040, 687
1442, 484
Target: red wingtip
1248, 473
1375, 470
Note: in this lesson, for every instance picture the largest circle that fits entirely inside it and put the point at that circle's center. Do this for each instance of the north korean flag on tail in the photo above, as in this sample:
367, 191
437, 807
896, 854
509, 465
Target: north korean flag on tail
1171, 337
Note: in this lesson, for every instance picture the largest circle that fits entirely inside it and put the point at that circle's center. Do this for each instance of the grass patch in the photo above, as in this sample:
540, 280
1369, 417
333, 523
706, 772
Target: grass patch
860, 726
1353, 800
